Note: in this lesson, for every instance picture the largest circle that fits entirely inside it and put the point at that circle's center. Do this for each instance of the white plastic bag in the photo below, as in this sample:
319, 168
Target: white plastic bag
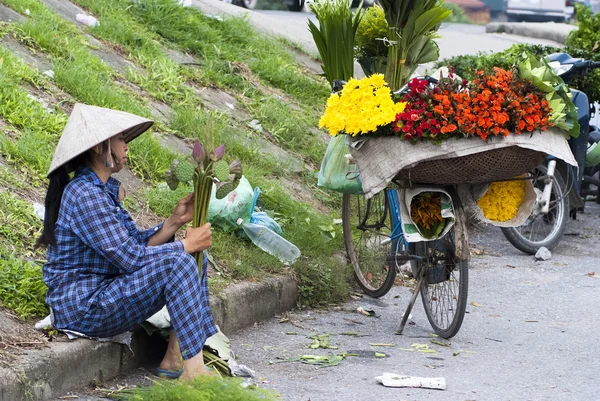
87, 20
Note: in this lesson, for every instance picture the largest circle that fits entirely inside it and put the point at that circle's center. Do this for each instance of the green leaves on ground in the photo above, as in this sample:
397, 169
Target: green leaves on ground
322, 361
321, 341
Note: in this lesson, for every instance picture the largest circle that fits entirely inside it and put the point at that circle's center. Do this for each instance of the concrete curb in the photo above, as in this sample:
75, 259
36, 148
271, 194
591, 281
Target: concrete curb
48, 373
556, 32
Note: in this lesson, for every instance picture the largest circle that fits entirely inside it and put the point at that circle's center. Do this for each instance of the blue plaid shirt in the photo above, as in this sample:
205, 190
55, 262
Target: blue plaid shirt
97, 240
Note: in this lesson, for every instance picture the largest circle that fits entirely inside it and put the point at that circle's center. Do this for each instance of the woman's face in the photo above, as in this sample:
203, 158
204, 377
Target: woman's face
119, 149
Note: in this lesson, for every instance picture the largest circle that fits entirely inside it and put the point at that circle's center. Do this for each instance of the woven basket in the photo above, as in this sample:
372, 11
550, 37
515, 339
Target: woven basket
477, 168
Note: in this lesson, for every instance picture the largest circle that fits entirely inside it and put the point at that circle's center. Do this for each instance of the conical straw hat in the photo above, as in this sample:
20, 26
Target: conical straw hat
90, 125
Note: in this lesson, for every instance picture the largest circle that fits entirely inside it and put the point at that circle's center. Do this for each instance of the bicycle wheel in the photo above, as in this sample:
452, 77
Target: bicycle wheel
446, 277
366, 223
542, 230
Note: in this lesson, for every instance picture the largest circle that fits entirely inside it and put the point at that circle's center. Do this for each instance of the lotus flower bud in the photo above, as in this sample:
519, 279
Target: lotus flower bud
198, 153
218, 153
235, 168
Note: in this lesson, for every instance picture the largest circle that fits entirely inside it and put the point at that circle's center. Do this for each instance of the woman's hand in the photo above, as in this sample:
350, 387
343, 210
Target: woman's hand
184, 211
197, 239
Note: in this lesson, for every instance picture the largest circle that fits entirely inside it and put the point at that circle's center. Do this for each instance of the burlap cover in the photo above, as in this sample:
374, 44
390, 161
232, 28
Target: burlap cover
454, 161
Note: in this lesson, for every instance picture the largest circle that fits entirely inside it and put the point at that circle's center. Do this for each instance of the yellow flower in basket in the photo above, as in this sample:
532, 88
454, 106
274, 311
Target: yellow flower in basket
363, 106
502, 200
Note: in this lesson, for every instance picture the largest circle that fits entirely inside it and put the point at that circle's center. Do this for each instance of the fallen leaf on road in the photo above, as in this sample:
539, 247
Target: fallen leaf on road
380, 345
442, 343
366, 312
460, 351
379, 355
423, 348
475, 304
591, 274
511, 266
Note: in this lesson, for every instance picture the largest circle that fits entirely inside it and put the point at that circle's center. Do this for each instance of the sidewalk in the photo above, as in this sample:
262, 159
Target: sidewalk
47, 373
541, 30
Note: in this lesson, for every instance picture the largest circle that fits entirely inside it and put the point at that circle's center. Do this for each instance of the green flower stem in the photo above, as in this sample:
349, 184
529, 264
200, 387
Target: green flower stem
396, 62
202, 190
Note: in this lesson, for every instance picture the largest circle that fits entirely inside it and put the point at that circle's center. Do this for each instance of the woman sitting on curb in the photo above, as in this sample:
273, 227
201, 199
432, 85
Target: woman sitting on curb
104, 275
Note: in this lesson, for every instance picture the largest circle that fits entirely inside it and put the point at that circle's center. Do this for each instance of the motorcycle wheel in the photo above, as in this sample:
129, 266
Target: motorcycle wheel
249, 4
542, 230
295, 5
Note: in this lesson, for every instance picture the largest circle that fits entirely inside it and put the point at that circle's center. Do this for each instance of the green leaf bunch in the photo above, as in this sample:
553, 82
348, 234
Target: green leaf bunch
466, 65
372, 29
558, 94
412, 28
334, 37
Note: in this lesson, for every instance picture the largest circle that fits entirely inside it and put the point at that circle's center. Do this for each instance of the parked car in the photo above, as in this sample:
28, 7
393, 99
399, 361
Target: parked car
540, 10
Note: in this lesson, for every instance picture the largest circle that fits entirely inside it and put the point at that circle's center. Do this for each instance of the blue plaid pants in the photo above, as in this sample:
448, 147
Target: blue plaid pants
127, 300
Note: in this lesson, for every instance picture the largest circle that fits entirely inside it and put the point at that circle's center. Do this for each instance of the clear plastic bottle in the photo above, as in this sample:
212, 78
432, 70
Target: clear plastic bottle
271, 242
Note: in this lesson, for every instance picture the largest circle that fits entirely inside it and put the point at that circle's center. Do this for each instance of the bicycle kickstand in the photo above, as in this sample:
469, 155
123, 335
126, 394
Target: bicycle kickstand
411, 304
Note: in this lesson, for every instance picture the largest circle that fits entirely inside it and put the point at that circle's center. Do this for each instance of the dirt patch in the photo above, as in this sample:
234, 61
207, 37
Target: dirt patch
298, 191
311, 65
216, 99
38, 60
17, 336
9, 15
26, 192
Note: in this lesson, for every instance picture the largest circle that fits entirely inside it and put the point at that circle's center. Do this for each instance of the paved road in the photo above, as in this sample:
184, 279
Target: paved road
531, 333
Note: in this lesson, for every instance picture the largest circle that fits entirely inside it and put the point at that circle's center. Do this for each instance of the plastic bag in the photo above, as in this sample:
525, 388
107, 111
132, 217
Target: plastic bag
224, 213
338, 172
262, 218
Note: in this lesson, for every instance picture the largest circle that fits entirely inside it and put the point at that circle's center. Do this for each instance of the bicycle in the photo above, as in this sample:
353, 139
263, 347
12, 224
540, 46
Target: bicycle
378, 250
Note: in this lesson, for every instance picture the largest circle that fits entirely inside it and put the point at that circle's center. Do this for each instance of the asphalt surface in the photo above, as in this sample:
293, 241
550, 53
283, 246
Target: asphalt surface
530, 333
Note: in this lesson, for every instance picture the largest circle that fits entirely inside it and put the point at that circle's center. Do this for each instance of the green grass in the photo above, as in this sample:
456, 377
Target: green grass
205, 388
21, 287
19, 225
274, 90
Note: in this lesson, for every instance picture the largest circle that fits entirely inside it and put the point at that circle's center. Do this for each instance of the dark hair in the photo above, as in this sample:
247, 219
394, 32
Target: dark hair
58, 181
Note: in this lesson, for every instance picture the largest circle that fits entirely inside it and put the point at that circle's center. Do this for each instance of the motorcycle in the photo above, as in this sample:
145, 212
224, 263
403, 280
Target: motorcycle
561, 188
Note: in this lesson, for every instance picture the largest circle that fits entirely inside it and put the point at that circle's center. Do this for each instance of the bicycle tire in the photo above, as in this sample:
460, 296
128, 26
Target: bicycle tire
525, 237
365, 224
444, 288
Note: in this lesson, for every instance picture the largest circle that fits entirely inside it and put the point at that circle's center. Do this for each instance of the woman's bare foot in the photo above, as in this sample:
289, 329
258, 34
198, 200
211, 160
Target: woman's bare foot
194, 367
172, 359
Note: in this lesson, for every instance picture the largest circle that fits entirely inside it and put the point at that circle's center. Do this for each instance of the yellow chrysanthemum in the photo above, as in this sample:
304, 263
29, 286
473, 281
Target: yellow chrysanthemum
502, 200
362, 106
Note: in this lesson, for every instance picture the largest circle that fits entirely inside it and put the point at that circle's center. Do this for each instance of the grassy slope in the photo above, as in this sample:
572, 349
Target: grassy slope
261, 75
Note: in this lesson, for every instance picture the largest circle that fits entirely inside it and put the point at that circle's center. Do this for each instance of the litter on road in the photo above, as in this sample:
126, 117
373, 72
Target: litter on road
396, 380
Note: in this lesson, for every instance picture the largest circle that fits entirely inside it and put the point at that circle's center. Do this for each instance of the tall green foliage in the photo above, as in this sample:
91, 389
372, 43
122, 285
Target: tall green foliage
334, 37
370, 49
412, 28
585, 42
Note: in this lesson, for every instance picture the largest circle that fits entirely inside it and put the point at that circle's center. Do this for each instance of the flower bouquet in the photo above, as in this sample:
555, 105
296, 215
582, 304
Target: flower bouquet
427, 213
204, 169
